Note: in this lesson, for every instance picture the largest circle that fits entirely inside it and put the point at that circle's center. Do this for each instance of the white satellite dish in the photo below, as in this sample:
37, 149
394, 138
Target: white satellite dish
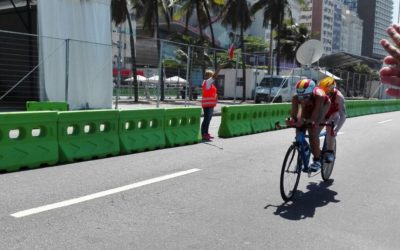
309, 52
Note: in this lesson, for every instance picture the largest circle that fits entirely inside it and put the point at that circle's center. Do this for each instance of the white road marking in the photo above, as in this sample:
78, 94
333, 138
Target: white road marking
100, 194
385, 121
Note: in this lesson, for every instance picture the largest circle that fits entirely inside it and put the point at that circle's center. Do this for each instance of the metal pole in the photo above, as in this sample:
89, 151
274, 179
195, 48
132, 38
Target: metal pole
187, 74
235, 83
255, 78
119, 67
66, 69
347, 83
159, 76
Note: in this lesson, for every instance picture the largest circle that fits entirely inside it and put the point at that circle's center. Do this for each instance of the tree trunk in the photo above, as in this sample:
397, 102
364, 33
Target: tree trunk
212, 33
133, 57
161, 77
271, 53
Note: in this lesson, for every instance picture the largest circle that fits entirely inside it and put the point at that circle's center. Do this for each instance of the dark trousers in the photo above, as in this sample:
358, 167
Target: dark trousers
208, 112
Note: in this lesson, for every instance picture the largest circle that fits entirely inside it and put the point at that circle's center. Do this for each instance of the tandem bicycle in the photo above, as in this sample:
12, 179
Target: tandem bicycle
297, 160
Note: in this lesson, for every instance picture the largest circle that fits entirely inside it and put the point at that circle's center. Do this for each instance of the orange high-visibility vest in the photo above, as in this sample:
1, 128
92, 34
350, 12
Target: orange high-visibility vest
210, 96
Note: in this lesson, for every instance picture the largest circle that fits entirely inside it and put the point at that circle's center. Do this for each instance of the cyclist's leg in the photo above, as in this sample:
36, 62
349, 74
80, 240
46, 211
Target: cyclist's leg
314, 132
329, 138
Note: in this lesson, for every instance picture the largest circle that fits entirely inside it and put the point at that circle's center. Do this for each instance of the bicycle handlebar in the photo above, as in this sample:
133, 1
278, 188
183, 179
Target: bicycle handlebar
307, 125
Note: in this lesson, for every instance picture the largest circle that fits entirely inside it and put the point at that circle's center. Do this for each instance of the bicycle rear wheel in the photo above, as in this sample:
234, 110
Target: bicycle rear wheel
327, 168
290, 173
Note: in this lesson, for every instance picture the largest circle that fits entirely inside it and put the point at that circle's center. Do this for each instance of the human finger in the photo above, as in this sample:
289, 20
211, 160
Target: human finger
392, 50
396, 27
390, 71
393, 92
389, 60
391, 80
394, 35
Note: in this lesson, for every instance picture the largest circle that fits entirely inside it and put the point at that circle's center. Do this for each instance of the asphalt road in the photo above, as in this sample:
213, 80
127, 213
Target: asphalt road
218, 195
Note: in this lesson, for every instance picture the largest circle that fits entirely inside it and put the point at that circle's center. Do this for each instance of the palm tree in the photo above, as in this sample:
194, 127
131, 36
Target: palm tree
150, 11
202, 9
274, 14
237, 15
292, 36
120, 13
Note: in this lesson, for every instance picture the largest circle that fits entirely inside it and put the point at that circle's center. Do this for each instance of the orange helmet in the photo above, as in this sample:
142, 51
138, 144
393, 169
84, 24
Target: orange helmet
327, 84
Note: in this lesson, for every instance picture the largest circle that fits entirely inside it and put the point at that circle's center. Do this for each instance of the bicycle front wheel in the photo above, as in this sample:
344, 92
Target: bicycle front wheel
290, 173
327, 168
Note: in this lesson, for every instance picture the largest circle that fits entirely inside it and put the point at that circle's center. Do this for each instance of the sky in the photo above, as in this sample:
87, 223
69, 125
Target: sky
396, 11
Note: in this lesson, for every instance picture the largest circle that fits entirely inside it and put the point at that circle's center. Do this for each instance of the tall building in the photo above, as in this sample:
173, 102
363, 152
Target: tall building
337, 27
376, 16
318, 16
351, 33
351, 4
295, 7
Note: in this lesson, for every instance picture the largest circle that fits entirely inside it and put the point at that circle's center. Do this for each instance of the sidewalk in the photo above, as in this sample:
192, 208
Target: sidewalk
124, 104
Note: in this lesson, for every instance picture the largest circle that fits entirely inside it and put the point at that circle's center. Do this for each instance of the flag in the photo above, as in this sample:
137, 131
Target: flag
231, 51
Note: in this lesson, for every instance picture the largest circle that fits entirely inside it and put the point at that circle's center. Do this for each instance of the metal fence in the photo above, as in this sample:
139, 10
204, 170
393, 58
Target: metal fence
189, 62
181, 66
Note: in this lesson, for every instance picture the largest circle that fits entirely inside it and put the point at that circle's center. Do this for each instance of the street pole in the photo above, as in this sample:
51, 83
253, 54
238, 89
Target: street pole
255, 79
235, 83
159, 76
66, 69
119, 67
187, 74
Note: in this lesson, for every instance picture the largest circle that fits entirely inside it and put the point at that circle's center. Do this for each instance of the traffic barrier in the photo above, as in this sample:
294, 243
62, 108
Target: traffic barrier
83, 135
235, 121
279, 112
28, 140
141, 130
182, 126
260, 121
50, 106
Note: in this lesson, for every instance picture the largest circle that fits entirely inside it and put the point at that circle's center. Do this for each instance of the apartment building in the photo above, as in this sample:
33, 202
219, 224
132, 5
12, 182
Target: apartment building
376, 16
352, 32
318, 16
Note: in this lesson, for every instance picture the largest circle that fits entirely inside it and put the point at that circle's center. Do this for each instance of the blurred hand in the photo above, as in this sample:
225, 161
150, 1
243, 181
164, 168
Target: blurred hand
391, 74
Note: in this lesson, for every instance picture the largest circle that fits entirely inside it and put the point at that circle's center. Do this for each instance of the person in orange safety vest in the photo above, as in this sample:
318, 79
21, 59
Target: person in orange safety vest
209, 101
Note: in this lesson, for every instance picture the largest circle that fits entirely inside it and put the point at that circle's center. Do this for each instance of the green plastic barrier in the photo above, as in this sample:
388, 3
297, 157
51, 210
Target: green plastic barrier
28, 140
235, 121
84, 135
182, 126
279, 113
260, 121
51, 106
141, 130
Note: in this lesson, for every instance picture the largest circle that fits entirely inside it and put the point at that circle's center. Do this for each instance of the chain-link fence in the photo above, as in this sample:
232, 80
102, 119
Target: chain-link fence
182, 66
34, 68
166, 70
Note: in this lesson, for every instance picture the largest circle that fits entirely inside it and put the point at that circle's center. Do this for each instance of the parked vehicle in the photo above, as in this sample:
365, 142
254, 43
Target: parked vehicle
283, 88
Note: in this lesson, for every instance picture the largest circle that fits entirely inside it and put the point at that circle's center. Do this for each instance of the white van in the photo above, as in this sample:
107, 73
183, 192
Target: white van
283, 88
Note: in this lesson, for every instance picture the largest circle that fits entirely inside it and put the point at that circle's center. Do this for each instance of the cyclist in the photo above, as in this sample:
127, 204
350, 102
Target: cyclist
309, 105
336, 113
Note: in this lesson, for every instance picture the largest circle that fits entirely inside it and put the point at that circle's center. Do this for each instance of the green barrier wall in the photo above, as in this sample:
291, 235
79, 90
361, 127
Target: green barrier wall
260, 121
182, 126
235, 121
53, 106
365, 107
84, 135
28, 140
141, 130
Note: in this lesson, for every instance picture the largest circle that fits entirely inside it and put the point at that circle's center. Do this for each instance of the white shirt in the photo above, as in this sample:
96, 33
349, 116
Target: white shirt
209, 81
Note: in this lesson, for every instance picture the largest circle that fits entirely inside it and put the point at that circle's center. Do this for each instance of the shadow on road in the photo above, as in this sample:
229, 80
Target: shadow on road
305, 203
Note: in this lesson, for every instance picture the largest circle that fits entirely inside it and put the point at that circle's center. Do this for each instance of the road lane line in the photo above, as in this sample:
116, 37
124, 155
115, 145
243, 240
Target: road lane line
100, 194
385, 121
